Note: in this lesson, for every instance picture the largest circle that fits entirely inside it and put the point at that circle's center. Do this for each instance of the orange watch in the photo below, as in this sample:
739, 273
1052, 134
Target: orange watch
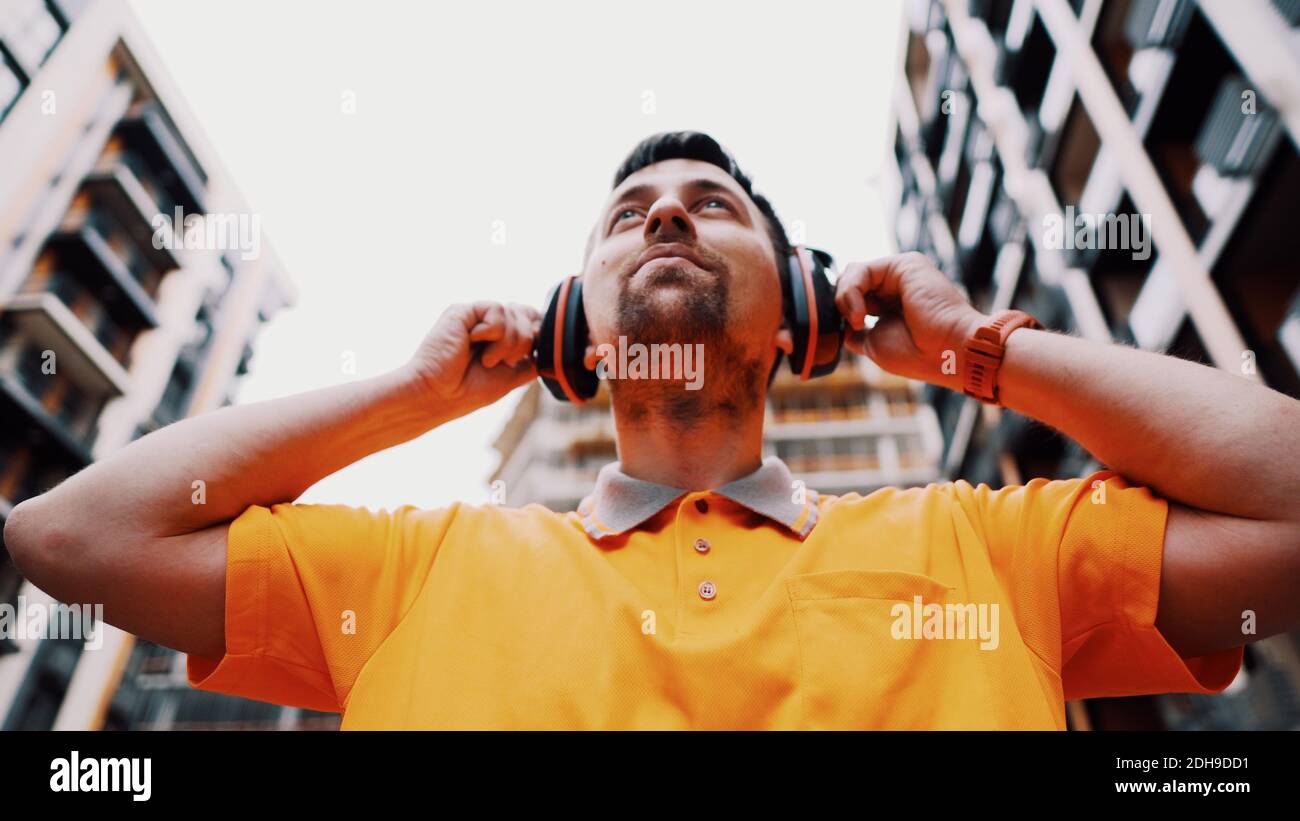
984, 351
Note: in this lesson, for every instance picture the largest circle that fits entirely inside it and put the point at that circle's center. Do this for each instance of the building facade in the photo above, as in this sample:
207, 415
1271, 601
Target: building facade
113, 321
1126, 171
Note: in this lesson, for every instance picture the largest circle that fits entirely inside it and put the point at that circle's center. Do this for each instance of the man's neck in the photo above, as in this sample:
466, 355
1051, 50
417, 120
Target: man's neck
703, 455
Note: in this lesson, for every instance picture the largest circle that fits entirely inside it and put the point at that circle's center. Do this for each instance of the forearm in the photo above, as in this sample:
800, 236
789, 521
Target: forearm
256, 454
1192, 433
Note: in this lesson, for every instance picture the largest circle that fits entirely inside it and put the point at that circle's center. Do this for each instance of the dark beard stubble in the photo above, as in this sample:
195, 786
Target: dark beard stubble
733, 381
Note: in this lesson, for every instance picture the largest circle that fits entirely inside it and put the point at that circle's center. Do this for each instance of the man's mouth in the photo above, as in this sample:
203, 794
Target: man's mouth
667, 254
665, 262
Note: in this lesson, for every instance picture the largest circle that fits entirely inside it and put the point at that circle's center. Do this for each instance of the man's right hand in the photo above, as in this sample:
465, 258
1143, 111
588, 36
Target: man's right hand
476, 353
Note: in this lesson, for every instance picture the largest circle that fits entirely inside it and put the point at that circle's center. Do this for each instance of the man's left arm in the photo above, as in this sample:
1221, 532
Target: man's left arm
1223, 450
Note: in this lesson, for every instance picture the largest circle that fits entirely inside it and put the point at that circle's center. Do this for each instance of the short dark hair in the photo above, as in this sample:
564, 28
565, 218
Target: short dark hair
694, 145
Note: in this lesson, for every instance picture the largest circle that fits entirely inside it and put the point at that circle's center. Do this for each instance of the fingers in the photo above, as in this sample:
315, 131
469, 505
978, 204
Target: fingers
509, 331
850, 302
873, 287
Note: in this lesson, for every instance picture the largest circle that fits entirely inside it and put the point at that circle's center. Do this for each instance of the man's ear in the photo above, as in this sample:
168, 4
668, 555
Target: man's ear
590, 357
784, 338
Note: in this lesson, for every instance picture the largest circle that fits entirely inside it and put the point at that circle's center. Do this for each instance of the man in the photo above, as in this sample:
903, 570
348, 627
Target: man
697, 586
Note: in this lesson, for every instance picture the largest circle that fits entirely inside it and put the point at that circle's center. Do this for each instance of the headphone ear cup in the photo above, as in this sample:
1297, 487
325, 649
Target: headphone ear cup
543, 350
561, 343
815, 322
830, 322
794, 298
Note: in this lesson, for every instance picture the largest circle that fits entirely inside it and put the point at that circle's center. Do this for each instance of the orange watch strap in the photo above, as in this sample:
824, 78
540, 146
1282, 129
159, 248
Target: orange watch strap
985, 349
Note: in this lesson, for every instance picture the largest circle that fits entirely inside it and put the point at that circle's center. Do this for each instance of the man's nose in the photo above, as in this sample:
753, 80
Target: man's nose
668, 221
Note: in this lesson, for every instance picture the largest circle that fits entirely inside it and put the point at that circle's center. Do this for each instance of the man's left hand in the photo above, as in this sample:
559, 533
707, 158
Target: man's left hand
924, 319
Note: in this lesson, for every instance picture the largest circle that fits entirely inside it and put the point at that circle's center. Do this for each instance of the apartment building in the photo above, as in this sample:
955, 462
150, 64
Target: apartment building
113, 321
1174, 121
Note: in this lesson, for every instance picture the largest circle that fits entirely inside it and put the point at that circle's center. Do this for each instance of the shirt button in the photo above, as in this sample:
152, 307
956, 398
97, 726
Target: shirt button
702, 506
708, 590
701, 545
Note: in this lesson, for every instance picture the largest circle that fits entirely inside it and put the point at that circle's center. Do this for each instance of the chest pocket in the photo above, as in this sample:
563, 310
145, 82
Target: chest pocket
860, 667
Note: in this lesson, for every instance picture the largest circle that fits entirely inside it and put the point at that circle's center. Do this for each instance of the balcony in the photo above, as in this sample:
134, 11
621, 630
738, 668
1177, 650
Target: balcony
1157, 25
118, 189
864, 426
85, 251
1238, 143
16, 399
149, 133
1132, 39
31, 29
44, 320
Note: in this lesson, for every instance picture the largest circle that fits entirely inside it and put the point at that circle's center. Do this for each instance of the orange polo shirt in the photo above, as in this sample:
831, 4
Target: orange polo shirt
756, 605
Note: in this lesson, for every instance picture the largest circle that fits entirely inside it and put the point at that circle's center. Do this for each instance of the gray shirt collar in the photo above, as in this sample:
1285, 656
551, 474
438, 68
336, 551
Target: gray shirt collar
620, 502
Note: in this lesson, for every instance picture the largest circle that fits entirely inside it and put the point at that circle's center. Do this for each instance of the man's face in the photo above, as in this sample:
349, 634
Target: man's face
714, 280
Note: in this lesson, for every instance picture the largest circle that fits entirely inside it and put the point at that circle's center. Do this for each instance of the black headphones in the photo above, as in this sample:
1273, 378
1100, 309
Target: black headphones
807, 297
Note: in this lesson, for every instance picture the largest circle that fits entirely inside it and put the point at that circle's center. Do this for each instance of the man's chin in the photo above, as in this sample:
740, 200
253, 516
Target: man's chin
667, 329
672, 302
655, 274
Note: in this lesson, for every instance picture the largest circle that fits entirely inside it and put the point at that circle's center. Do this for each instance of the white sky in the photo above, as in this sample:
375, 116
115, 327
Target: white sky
470, 113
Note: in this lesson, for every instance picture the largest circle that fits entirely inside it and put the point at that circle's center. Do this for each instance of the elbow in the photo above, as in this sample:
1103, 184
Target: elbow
32, 539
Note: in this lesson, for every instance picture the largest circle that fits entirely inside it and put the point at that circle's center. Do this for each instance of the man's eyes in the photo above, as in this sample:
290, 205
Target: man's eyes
706, 203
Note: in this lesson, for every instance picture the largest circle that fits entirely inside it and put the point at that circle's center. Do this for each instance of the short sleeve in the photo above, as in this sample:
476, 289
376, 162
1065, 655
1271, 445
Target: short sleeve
1088, 552
311, 593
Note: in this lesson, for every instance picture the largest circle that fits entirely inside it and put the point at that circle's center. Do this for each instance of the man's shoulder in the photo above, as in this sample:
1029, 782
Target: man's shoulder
889, 496
532, 516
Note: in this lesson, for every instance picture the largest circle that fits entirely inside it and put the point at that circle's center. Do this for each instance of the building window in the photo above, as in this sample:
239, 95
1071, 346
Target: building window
11, 83
1257, 272
15, 460
828, 454
900, 402
1200, 68
37, 705
1028, 65
911, 452
30, 372
1080, 145
30, 28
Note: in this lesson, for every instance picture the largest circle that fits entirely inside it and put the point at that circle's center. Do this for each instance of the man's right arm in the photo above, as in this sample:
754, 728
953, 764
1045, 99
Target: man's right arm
143, 530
